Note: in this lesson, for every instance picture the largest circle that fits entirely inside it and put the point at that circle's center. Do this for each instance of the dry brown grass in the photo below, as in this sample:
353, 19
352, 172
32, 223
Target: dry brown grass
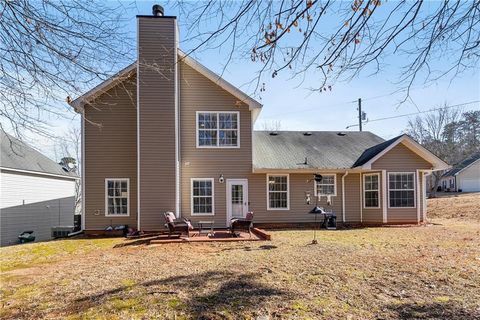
372, 273
465, 206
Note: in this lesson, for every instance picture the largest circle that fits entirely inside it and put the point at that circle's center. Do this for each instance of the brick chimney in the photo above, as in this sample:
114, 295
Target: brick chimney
157, 118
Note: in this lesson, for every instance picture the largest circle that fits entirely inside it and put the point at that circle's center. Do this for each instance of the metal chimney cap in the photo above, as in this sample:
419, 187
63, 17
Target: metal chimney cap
157, 10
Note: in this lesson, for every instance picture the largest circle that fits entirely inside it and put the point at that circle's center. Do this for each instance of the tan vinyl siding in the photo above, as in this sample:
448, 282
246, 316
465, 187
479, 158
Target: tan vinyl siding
197, 93
110, 152
299, 184
157, 53
373, 215
352, 198
401, 158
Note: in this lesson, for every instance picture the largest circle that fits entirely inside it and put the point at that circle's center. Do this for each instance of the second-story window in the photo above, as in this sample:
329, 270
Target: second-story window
218, 129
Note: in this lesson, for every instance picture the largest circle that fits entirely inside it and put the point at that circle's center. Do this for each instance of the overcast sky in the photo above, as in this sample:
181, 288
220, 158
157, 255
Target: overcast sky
298, 108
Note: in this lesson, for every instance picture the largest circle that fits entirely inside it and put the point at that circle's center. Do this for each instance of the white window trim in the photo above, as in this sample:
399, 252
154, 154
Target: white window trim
378, 190
106, 197
414, 190
288, 192
334, 185
213, 196
218, 129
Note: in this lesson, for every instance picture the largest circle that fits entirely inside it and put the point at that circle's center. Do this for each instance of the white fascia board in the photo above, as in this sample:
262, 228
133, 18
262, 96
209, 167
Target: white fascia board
438, 164
222, 83
80, 102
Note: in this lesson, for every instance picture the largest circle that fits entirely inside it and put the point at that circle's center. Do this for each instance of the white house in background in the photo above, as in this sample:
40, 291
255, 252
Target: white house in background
35, 192
464, 177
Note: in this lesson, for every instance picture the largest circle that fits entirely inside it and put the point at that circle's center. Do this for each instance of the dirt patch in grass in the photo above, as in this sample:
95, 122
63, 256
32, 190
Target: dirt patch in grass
465, 206
386, 273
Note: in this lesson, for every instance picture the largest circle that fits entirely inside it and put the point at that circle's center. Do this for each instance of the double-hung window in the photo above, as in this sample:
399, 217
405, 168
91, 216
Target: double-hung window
401, 187
327, 186
218, 129
371, 190
117, 196
202, 196
277, 189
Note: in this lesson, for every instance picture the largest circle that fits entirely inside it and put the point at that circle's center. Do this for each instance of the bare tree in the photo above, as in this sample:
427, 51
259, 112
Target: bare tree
53, 49
449, 134
339, 39
274, 125
68, 146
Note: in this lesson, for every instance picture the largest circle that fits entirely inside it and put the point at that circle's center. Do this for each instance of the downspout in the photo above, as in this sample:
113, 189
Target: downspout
138, 129
177, 128
343, 196
82, 228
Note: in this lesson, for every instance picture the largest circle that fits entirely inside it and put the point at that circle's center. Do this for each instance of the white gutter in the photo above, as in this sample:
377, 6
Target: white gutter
343, 196
40, 173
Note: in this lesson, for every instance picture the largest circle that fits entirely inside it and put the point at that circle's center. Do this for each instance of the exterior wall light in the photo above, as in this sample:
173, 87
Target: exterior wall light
221, 179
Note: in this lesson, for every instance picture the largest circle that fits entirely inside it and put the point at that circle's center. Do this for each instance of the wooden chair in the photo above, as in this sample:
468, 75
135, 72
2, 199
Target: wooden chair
245, 224
176, 226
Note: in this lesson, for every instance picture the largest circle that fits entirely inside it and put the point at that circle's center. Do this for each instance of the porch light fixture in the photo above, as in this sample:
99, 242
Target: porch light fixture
221, 179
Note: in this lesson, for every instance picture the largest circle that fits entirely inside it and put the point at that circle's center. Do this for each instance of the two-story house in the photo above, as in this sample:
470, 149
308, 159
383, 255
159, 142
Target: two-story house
168, 134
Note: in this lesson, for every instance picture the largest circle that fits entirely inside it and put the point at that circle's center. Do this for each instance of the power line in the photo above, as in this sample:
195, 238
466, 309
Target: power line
338, 104
420, 112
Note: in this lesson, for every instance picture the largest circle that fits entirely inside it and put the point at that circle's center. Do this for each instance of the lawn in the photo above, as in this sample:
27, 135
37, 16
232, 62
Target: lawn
383, 273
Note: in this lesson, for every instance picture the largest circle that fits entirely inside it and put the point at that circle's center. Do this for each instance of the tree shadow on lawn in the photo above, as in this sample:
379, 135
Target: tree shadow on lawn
434, 310
209, 293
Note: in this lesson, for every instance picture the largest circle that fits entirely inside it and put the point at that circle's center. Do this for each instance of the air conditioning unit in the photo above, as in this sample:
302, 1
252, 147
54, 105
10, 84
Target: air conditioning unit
61, 231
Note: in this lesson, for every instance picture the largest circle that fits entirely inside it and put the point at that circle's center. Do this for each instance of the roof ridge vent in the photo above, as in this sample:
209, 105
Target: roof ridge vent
307, 133
341, 134
273, 133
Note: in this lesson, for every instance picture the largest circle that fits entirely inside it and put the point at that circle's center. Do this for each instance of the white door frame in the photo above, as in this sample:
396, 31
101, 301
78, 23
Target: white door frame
229, 183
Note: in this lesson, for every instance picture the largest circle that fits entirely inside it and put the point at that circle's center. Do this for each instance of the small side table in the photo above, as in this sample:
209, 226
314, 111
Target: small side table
206, 228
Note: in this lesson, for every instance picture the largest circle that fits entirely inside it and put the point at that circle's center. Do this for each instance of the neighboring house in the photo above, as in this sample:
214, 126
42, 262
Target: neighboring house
168, 134
35, 192
465, 176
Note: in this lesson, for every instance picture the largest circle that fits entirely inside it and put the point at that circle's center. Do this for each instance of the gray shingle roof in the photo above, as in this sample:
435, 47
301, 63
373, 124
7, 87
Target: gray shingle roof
323, 149
371, 152
462, 165
16, 154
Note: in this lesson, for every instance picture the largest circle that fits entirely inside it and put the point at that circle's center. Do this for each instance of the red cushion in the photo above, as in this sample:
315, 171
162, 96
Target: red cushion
249, 215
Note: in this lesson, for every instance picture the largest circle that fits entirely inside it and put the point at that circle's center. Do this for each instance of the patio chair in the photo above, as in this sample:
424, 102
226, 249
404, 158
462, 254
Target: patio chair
245, 224
177, 226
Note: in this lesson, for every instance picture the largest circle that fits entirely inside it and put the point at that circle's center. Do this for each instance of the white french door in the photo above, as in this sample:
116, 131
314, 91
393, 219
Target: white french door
237, 198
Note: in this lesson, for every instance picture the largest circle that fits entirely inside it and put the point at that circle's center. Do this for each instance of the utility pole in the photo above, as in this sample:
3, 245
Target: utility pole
360, 113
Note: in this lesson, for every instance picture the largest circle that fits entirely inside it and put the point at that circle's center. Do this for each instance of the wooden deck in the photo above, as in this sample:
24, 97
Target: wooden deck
220, 235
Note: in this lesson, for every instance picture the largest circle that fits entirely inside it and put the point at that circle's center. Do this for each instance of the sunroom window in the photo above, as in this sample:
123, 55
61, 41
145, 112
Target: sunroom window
371, 190
401, 190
